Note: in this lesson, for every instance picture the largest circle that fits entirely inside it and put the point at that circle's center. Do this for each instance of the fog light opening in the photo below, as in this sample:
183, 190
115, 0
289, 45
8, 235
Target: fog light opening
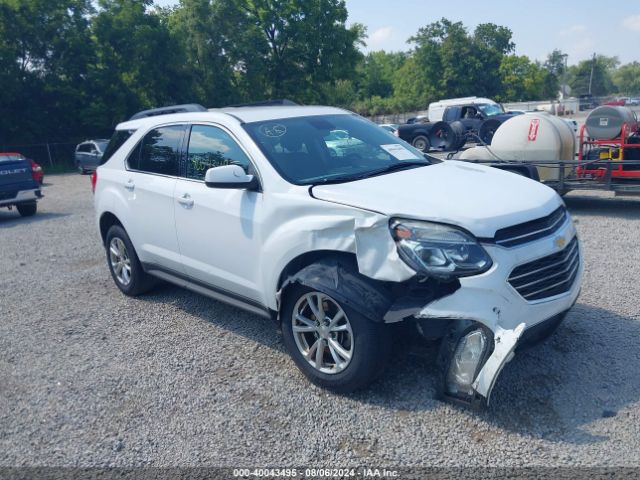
465, 363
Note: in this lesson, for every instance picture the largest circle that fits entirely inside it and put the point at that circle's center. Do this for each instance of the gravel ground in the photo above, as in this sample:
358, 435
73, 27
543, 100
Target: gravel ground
90, 377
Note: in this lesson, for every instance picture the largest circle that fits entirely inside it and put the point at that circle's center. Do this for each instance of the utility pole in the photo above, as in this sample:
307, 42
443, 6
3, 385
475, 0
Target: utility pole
564, 88
593, 64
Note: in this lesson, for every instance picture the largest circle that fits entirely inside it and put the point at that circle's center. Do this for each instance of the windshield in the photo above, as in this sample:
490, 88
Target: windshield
331, 148
491, 109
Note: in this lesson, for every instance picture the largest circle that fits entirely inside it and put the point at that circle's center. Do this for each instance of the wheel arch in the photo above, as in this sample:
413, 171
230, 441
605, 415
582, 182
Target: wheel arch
336, 273
107, 220
424, 132
308, 258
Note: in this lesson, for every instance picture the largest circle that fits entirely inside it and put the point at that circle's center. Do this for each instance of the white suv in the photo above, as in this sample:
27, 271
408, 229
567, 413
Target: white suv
253, 206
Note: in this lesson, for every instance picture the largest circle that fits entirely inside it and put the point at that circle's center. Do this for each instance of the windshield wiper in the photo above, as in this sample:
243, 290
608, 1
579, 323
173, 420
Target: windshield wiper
372, 173
393, 168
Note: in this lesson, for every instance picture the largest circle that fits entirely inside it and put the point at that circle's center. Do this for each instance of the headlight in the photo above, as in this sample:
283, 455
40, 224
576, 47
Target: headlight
439, 250
466, 362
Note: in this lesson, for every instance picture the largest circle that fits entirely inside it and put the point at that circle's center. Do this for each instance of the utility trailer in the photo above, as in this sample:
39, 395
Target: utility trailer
608, 155
578, 174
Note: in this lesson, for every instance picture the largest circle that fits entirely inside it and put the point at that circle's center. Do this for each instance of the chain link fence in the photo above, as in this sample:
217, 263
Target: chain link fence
59, 156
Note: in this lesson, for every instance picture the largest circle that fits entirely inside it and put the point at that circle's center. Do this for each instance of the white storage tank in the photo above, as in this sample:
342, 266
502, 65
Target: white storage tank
534, 137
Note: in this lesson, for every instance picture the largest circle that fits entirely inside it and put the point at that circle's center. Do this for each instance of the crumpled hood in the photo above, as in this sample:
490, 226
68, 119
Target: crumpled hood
478, 198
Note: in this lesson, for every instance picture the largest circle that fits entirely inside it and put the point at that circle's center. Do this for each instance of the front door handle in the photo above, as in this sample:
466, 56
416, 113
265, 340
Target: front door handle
130, 185
186, 200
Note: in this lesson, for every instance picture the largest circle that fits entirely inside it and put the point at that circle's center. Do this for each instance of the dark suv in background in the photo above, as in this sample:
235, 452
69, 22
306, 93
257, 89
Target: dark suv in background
89, 153
587, 102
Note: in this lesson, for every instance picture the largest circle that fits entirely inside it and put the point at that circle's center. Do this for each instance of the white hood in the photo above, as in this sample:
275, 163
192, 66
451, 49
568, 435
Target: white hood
478, 198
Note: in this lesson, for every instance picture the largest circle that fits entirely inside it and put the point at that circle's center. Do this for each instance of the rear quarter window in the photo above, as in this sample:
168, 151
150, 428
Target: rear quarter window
117, 140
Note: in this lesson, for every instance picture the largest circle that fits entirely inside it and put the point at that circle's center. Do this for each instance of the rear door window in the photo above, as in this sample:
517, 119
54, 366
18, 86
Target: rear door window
159, 151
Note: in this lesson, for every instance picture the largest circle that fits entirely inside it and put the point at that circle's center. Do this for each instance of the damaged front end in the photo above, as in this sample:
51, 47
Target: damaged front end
481, 300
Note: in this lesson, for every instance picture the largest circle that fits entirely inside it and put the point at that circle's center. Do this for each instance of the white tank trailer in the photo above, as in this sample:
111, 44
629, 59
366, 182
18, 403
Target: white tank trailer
530, 138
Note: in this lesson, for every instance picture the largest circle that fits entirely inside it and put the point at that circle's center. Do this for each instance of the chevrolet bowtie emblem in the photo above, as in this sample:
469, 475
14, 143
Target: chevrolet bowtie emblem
560, 242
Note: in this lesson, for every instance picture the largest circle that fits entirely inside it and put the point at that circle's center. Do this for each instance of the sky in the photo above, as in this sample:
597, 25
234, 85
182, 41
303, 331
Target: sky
579, 28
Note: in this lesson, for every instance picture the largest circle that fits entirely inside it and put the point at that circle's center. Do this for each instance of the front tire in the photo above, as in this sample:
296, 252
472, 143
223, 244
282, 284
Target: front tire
124, 265
487, 130
27, 209
335, 346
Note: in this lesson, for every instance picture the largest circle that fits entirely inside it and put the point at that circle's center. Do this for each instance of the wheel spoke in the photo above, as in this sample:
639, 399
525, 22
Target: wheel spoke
126, 275
114, 251
306, 321
314, 306
321, 307
336, 359
320, 354
341, 351
312, 349
304, 329
117, 268
337, 317
340, 328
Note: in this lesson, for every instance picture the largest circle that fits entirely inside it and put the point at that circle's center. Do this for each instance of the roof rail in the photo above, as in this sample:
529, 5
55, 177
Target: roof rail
267, 103
189, 107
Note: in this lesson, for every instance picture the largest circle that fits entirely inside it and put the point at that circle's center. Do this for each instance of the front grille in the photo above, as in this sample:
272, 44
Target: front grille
8, 195
547, 276
533, 230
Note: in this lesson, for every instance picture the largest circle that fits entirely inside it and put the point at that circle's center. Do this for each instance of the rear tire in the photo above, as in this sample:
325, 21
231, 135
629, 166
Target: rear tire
365, 342
27, 209
124, 265
421, 143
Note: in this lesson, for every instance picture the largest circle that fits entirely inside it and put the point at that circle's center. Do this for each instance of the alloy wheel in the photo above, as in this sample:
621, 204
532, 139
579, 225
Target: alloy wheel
120, 261
322, 332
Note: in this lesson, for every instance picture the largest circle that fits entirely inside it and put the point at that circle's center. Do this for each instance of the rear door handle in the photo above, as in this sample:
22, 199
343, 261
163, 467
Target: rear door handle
186, 200
130, 185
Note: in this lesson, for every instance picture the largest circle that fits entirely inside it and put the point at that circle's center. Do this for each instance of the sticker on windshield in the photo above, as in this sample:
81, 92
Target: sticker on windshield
274, 130
399, 152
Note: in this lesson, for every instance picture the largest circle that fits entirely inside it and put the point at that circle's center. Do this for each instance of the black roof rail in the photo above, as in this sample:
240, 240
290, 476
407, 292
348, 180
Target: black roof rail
189, 107
267, 103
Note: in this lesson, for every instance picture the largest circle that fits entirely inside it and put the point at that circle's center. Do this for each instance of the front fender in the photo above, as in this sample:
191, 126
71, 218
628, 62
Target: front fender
325, 226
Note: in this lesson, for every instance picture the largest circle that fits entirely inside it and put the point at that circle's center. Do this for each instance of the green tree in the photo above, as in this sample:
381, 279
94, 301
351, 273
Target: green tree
453, 63
138, 64
627, 78
580, 76
555, 64
45, 53
255, 49
378, 71
492, 42
223, 55
522, 79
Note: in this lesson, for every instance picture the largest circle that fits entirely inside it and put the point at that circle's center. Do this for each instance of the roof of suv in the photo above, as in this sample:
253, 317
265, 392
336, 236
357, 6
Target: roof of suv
258, 114
242, 114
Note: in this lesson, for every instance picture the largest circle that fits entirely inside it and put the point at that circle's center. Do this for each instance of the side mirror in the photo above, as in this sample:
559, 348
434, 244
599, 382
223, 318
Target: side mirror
230, 176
